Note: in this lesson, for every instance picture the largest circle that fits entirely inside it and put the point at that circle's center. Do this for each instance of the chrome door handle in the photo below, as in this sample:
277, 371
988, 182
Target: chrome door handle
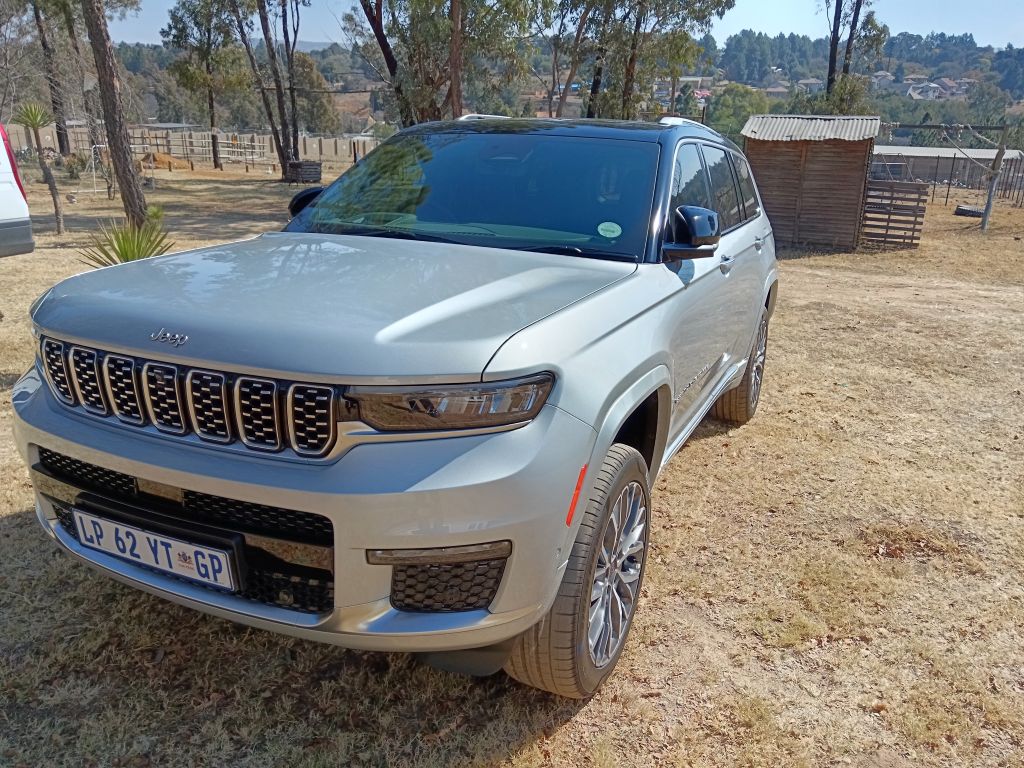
727, 263
759, 243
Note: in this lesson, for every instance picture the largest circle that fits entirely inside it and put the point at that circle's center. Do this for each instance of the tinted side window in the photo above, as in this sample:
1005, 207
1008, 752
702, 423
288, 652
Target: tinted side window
723, 187
689, 181
747, 191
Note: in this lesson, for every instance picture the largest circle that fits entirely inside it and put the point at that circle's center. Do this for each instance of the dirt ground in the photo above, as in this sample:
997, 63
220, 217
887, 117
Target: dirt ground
837, 583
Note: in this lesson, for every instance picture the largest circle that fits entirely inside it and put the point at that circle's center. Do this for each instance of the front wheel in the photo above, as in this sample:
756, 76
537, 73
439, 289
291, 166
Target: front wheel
574, 648
738, 405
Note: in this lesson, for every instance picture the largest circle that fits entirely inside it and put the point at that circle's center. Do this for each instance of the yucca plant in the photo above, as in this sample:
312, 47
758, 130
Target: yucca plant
35, 118
120, 243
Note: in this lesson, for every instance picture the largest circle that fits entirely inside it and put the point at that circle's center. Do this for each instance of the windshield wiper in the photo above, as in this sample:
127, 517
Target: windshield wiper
575, 250
398, 234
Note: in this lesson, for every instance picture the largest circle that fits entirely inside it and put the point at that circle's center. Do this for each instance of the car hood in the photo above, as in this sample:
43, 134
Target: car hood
323, 306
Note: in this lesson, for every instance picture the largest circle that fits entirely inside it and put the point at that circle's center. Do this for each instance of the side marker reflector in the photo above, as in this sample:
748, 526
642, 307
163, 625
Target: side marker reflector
576, 496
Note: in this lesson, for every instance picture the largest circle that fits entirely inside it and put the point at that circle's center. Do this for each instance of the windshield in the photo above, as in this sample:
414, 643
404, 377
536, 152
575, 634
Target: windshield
530, 191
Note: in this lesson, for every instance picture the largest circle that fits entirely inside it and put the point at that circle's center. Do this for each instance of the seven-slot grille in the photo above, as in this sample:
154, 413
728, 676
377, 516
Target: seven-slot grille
218, 407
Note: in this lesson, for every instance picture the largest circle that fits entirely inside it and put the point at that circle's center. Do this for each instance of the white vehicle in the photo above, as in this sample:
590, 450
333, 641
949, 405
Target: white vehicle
15, 224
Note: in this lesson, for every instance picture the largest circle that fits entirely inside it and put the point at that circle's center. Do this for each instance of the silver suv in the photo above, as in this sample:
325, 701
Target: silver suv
426, 416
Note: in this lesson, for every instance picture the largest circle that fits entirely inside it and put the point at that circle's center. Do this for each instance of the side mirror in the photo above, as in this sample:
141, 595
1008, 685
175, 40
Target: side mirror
302, 199
694, 233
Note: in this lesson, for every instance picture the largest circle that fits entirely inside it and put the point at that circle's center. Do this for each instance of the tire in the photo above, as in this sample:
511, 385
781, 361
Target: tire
738, 405
556, 654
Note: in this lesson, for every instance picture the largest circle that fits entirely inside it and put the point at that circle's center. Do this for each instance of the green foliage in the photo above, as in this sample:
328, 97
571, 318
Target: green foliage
121, 243
32, 116
74, 165
730, 109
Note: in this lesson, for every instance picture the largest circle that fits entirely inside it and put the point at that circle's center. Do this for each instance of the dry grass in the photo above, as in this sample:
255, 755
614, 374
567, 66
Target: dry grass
838, 583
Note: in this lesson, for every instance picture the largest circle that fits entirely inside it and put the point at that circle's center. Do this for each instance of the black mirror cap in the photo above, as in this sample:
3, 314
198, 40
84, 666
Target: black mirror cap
303, 198
695, 234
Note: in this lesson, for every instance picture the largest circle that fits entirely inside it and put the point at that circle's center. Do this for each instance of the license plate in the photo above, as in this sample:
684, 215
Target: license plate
207, 565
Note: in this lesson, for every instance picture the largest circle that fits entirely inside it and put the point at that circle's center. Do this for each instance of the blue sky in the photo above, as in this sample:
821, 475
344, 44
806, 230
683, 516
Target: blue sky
993, 22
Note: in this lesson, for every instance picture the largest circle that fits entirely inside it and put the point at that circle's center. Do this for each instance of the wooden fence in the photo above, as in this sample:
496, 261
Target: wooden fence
894, 212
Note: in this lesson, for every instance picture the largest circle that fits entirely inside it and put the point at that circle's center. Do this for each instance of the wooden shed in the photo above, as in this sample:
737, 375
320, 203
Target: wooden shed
812, 172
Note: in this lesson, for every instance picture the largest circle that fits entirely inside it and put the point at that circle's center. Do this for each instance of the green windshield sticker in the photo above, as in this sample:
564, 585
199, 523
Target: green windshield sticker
609, 229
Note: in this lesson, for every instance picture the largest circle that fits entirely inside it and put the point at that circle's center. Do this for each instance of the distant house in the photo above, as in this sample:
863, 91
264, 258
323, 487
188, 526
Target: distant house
948, 86
882, 80
914, 79
777, 92
811, 85
925, 92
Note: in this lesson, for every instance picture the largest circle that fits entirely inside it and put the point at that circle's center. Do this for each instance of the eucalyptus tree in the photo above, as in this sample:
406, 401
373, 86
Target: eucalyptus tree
203, 31
54, 77
426, 50
118, 140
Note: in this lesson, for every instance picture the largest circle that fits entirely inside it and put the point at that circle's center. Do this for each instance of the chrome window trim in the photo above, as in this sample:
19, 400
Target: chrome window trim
46, 370
110, 391
190, 403
70, 362
332, 420
149, 401
238, 415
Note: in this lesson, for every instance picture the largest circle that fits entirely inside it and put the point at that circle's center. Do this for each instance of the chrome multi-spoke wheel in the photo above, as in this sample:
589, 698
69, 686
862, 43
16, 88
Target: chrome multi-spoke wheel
577, 644
760, 352
615, 590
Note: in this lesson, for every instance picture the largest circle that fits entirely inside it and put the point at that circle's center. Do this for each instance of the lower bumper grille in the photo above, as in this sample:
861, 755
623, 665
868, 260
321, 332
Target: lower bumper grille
446, 587
244, 516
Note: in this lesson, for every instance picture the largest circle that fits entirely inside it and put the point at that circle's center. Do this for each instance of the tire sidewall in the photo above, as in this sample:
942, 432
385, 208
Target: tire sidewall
633, 469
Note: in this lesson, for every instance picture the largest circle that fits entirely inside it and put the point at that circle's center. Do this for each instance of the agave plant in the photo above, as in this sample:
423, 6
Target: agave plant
120, 243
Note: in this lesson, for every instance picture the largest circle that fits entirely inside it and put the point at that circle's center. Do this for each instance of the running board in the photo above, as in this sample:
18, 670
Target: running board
726, 382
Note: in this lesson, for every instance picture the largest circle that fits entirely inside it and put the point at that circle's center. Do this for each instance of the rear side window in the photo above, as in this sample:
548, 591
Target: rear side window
747, 191
689, 181
723, 187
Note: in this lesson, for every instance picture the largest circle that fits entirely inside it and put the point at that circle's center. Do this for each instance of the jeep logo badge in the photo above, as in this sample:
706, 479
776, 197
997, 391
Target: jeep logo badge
166, 337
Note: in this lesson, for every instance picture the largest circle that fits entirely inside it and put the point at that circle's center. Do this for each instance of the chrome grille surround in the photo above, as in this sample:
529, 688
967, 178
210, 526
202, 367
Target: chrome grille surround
257, 398
85, 376
122, 382
55, 366
311, 419
162, 389
268, 415
206, 392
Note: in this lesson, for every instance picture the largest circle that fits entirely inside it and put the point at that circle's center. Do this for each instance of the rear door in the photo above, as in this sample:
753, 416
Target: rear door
751, 270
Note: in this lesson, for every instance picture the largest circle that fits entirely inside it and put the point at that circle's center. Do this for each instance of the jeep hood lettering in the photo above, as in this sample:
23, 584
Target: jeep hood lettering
322, 306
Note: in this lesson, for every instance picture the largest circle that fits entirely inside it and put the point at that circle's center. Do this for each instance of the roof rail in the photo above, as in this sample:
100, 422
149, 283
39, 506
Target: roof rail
479, 116
674, 120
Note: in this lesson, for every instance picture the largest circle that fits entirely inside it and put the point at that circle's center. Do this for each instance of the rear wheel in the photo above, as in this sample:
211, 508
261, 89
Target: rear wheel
576, 645
738, 405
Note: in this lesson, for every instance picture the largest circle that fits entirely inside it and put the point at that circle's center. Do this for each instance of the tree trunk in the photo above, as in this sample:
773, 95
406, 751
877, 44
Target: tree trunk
243, 35
851, 40
289, 61
595, 84
833, 45
574, 63
275, 71
455, 57
375, 18
58, 209
629, 76
118, 141
53, 82
88, 98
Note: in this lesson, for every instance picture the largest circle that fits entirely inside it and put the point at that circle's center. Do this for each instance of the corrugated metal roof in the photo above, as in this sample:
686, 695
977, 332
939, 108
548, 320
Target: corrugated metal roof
977, 154
811, 127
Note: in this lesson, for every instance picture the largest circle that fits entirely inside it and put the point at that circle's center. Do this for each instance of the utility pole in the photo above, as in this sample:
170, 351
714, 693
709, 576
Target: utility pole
993, 180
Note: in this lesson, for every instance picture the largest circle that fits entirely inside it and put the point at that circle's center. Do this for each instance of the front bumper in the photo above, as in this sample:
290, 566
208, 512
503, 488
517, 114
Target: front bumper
510, 486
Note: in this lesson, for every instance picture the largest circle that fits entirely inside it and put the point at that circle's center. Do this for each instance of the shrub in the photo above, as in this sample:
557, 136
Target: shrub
120, 243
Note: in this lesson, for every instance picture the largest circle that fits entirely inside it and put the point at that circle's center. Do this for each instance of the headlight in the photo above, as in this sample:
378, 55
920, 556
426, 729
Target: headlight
456, 406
